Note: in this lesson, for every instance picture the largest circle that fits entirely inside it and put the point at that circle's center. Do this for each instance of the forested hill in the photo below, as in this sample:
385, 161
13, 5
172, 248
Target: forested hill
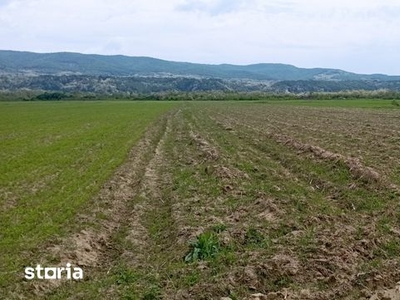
118, 65
75, 72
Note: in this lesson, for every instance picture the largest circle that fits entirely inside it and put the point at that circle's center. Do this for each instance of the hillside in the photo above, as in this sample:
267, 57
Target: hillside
75, 72
118, 65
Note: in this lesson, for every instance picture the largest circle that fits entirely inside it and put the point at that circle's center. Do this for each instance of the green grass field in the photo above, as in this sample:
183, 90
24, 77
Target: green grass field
54, 158
201, 200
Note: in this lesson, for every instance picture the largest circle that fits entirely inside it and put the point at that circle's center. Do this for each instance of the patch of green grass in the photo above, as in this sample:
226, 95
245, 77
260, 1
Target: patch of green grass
384, 225
126, 276
54, 158
392, 248
206, 246
153, 292
192, 278
395, 103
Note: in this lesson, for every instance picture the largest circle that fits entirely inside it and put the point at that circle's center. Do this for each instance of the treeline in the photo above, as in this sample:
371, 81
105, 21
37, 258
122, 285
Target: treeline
26, 95
163, 86
330, 86
357, 94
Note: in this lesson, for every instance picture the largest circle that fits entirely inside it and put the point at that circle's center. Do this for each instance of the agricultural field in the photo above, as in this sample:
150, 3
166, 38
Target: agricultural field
202, 200
54, 158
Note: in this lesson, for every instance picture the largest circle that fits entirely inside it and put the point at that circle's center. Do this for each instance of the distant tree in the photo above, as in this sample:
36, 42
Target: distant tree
52, 96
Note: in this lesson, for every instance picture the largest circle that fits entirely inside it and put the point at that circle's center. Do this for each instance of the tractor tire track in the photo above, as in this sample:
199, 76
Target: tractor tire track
91, 247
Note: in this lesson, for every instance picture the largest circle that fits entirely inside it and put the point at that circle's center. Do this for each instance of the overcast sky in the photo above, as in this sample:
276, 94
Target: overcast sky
355, 35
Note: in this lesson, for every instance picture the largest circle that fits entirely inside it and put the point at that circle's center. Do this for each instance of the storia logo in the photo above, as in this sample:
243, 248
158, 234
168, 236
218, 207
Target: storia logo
54, 273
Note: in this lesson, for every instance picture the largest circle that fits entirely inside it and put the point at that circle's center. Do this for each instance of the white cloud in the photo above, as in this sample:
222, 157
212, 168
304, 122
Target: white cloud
214, 7
353, 35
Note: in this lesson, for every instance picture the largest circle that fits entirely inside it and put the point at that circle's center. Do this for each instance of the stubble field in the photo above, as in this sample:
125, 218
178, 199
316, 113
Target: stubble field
251, 200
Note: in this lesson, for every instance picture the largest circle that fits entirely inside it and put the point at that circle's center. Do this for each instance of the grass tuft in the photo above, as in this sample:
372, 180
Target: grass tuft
206, 246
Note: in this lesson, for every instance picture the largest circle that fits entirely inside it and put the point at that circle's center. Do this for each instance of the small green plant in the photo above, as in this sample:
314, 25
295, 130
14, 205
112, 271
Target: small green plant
395, 103
206, 246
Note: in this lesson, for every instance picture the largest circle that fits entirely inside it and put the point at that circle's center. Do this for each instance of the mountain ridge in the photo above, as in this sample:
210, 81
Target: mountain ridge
70, 72
60, 63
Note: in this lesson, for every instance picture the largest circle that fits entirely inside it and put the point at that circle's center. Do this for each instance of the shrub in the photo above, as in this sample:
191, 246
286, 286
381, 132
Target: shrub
52, 96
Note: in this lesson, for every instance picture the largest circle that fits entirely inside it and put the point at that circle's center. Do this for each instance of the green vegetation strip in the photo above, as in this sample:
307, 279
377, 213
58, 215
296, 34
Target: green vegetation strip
54, 158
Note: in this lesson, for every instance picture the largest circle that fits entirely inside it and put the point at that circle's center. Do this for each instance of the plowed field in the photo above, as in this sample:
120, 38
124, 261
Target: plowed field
235, 200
